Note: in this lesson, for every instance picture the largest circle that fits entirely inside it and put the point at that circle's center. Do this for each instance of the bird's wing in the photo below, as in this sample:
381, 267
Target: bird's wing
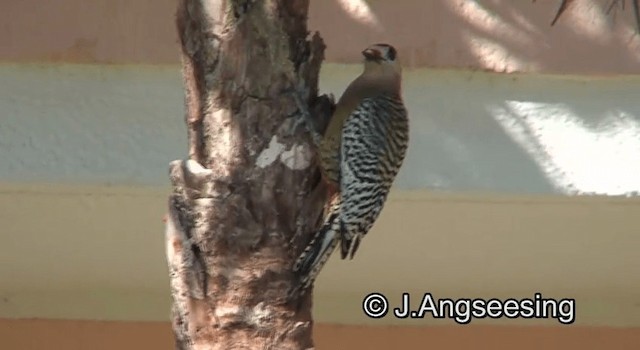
370, 159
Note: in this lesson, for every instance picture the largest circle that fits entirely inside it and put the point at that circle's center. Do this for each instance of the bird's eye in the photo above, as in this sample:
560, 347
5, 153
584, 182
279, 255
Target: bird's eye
391, 53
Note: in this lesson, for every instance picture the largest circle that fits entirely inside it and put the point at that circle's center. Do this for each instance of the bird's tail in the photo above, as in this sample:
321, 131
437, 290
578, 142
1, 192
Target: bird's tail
316, 254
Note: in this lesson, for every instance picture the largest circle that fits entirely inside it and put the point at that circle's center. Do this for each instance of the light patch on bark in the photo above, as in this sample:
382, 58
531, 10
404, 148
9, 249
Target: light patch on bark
271, 153
197, 169
215, 11
198, 177
259, 316
224, 140
179, 260
226, 311
297, 158
180, 257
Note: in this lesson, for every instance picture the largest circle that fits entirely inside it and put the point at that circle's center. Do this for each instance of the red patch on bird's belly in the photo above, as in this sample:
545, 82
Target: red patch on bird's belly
331, 186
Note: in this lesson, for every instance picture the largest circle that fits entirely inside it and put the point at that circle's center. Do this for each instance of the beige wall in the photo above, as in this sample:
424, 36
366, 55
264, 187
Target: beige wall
98, 252
493, 35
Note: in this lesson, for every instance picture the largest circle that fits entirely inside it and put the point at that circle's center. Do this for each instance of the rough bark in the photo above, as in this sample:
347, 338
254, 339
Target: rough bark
248, 198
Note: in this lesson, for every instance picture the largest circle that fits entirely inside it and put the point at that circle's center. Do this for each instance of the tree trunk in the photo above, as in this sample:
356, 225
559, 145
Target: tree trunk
246, 201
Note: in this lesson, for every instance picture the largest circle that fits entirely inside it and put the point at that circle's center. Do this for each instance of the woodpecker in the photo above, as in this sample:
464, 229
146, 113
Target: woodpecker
361, 153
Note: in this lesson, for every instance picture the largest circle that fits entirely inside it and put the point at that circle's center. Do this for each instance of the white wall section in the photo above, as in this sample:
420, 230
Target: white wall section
470, 131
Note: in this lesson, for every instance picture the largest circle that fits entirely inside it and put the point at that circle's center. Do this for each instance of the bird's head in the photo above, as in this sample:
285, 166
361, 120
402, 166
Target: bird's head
381, 58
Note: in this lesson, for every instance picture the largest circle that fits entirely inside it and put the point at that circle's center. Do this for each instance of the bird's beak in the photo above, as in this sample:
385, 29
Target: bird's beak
371, 55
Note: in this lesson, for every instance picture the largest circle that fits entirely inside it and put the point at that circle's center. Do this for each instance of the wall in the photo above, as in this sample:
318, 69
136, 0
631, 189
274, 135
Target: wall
489, 34
97, 252
86, 149
470, 131
514, 183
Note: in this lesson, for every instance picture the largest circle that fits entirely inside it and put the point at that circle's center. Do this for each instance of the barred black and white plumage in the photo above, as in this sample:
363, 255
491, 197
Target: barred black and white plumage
374, 144
361, 154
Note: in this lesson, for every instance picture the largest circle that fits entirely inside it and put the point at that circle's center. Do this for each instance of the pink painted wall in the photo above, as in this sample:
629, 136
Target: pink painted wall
484, 34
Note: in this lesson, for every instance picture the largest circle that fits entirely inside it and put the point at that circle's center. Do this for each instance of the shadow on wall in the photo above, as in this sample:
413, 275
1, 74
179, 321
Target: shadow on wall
507, 133
499, 35
522, 134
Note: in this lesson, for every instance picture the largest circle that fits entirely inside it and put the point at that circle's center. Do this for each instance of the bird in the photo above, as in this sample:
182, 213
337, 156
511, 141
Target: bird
360, 154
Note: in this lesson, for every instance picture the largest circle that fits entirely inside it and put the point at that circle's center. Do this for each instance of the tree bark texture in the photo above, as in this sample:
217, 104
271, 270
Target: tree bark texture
248, 198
